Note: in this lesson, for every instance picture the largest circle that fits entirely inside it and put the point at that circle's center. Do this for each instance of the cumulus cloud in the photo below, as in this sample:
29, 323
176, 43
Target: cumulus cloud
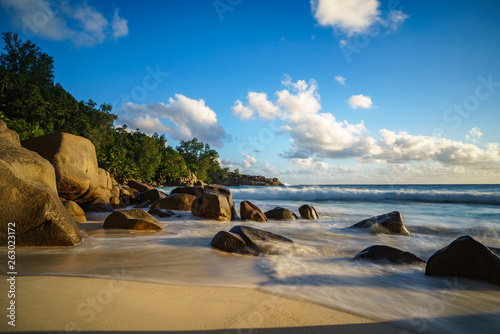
74, 21
119, 26
360, 101
241, 111
249, 162
354, 16
340, 79
228, 163
185, 119
474, 134
268, 169
316, 135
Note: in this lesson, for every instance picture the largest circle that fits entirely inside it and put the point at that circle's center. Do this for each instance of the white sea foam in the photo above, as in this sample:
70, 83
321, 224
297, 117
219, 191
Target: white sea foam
367, 194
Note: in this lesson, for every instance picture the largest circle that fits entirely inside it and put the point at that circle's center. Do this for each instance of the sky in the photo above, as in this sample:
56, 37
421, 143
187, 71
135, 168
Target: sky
311, 92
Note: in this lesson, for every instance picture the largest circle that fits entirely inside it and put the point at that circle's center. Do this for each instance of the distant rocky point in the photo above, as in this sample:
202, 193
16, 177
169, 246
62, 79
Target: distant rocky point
234, 179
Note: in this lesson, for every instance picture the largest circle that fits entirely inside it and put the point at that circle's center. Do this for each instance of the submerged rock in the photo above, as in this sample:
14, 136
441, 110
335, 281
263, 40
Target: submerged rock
214, 202
280, 214
308, 212
135, 219
250, 211
143, 205
465, 257
29, 202
389, 223
181, 202
380, 253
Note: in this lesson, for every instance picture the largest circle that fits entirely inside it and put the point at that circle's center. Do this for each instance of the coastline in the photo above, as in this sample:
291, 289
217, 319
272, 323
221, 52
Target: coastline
77, 304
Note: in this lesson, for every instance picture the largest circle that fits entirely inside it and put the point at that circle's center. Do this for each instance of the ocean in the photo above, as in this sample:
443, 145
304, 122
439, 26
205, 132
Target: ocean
319, 265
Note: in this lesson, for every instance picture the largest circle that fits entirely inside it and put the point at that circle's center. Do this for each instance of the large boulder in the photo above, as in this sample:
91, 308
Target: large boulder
250, 211
108, 187
389, 223
75, 163
29, 203
214, 202
181, 202
140, 186
308, 212
280, 214
228, 242
76, 211
465, 257
135, 219
387, 253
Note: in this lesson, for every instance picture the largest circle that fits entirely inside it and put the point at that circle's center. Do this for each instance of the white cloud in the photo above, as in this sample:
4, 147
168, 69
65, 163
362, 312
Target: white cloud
228, 163
76, 21
249, 162
350, 16
340, 79
474, 134
119, 26
265, 108
354, 16
360, 101
189, 118
268, 169
316, 135
241, 111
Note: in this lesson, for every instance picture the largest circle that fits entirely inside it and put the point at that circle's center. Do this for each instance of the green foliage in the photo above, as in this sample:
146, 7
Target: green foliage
200, 159
32, 105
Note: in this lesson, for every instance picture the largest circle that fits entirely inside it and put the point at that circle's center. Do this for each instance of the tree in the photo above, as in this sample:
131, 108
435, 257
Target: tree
200, 158
27, 59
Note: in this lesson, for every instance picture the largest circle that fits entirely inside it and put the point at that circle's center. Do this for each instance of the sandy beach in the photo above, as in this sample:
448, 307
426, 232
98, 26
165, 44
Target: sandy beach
74, 304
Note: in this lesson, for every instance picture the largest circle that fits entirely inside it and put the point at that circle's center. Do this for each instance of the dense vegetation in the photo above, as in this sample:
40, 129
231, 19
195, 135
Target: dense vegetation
33, 105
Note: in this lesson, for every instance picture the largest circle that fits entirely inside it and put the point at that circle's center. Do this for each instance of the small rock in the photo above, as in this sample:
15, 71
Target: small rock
140, 186
389, 223
308, 212
98, 205
160, 213
378, 252
280, 214
250, 211
76, 211
465, 257
227, 241
152, 195
185, 190
135, 219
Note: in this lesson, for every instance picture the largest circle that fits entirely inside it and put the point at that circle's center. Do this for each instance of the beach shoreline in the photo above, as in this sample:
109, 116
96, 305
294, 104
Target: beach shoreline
77, 304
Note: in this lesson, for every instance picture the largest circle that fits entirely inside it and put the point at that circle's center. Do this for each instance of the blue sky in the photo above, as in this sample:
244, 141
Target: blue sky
320, 92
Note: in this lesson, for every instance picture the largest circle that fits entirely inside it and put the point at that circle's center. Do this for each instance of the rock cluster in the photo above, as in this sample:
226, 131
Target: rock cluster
214, 202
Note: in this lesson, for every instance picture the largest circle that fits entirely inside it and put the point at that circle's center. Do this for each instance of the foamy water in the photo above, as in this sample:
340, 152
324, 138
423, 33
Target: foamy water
319, 266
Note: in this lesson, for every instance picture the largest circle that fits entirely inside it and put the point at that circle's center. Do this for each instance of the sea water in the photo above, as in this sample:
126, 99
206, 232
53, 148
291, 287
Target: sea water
319, 265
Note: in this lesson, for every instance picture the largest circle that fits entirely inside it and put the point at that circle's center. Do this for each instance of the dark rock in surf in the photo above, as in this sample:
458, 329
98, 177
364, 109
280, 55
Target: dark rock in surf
160, 213
250, 211
185, 190
181, 202
98, 205
152, 195
139, 186
389, 223
280, 214
227, 241
391, 254
465, 257
253, 236
308, 212
214, 202
143, 205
